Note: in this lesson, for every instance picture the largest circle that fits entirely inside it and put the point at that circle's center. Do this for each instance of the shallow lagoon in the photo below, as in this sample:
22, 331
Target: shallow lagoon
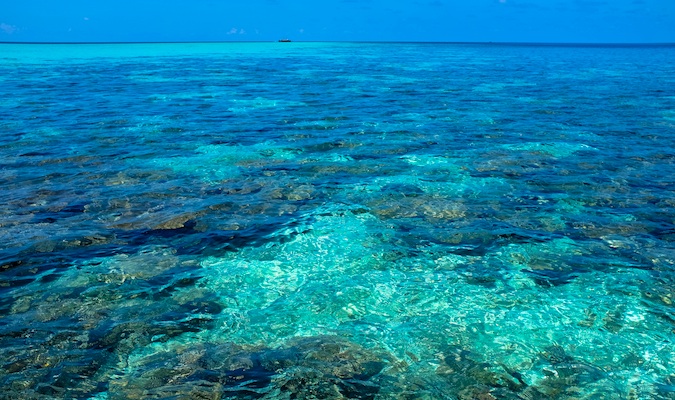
370, 221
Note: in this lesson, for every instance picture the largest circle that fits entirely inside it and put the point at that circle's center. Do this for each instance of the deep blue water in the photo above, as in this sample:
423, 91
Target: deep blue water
373, 221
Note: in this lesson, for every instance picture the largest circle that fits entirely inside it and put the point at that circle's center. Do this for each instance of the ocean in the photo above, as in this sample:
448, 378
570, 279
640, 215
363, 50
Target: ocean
337, 221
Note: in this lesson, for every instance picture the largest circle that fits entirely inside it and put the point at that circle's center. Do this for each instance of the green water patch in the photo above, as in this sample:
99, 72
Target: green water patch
216, 163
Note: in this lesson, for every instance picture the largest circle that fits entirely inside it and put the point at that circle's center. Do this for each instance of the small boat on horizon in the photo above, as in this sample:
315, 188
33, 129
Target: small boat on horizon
285, 40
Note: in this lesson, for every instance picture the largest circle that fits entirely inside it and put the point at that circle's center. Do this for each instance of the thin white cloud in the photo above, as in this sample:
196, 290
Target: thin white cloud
7, 28
232, 31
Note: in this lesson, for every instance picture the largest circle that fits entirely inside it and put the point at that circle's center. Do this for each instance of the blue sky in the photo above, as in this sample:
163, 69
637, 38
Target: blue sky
597, 21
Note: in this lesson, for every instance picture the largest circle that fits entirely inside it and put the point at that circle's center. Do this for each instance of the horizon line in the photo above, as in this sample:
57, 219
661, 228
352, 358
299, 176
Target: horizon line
665, 44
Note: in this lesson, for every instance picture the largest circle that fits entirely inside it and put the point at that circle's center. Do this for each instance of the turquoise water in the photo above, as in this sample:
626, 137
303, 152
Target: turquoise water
355, 221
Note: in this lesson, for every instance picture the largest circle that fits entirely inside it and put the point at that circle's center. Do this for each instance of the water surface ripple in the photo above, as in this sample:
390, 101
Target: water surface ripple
366, 221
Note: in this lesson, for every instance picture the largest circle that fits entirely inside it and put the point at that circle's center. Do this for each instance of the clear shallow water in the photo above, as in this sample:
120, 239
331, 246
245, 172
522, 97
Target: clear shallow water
338, 221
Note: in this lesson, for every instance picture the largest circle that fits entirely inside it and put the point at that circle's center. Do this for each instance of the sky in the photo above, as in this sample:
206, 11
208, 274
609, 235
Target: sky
551, 21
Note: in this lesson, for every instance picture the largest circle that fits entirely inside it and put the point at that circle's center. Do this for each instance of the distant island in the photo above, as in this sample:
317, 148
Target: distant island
285, 40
